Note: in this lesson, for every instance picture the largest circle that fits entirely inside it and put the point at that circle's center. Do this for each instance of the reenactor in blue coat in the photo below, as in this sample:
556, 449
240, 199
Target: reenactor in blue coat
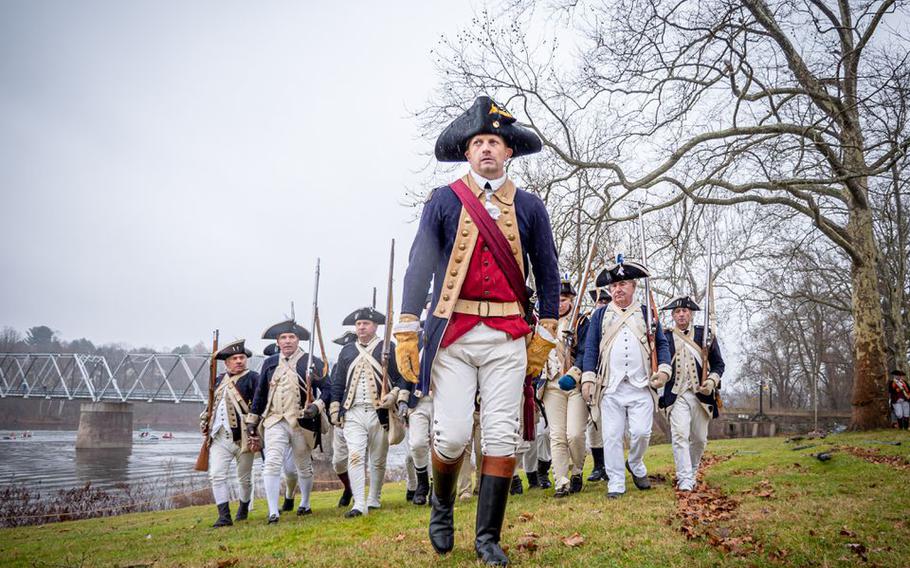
618, 378
359, 410
477, 240
234, 391
280, 407
691, 402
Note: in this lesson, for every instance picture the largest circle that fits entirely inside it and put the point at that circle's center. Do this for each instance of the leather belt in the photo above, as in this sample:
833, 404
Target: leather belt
487, 309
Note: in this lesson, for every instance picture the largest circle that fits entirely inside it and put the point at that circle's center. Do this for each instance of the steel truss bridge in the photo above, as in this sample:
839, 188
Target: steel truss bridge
138, 377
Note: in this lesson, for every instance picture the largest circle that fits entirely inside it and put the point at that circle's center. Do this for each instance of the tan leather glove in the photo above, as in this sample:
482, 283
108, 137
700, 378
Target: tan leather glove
707, 388
407, 352
539, 348
658, 380
587, 393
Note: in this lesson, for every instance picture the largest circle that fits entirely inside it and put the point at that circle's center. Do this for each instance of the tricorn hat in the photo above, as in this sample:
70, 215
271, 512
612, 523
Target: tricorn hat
233, 348
898, 373
364, 314
484, 117
600, 294
287, 326
566, 289
682, 302
347, 337
622, 270
270, 349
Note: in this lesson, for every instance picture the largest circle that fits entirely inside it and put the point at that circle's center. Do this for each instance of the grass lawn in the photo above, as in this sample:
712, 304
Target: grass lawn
787, 508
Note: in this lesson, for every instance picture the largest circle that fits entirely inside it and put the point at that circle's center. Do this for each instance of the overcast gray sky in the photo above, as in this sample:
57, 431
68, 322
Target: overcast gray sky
171, 167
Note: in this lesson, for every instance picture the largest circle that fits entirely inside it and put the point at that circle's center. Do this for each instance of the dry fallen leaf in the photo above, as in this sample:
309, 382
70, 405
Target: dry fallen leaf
226, 563
574, 540
525, 517
400, 537
528, 542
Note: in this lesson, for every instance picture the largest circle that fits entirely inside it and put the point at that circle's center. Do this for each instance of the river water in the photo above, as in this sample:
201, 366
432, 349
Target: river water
49, 461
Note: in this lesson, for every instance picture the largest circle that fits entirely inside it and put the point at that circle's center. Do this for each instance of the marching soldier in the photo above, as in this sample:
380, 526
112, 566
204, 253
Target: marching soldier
601, 298
280, 406
618, 376
690, 402
233, 394
900, 398
476, 239
358, 409
566, 409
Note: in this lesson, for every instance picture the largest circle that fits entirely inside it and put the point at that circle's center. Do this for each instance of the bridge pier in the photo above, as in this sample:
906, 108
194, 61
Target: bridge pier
105, 425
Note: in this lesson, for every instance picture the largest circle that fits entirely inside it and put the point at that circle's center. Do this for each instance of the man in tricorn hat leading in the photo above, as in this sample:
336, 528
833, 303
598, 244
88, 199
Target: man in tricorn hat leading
617, 376
477, 239
359, 411
690, 402
280, 406
233, 395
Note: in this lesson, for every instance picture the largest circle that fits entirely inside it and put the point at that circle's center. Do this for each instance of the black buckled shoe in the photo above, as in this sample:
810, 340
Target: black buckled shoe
561, 492
273, 519
575, 484
353, 513
243, 510
442, 502
303, 511
224, 516
642, 483
423, 487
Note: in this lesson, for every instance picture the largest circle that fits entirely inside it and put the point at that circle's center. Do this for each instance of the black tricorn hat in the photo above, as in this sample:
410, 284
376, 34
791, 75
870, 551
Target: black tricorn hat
347, 337
233, 348
598, 294
898, 373
566, 289
270, 349
484, 117
287, 326
622, 270
682, 302
364, 314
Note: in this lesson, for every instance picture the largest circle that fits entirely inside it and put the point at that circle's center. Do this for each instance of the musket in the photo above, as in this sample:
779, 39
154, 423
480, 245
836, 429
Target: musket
708, 306
325, 368
311, 367
202, 461
387, 335
569, 339
650, 307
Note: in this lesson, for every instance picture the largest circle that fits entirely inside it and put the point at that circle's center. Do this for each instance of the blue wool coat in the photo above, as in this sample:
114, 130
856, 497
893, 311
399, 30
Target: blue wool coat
320, 385
595, 333
346, 358
432, 248
716, 365
246, 386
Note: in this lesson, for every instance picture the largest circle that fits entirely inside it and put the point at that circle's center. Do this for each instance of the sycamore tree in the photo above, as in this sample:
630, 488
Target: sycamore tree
787, 106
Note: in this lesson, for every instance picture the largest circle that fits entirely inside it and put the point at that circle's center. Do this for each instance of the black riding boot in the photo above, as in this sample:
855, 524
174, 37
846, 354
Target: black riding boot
346, 496
543, 474
598, 473
243, 510
224, 516
423, 487
442, 501
491, 509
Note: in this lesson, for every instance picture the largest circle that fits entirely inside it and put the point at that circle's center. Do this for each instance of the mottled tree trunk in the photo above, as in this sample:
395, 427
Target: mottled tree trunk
870, 399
